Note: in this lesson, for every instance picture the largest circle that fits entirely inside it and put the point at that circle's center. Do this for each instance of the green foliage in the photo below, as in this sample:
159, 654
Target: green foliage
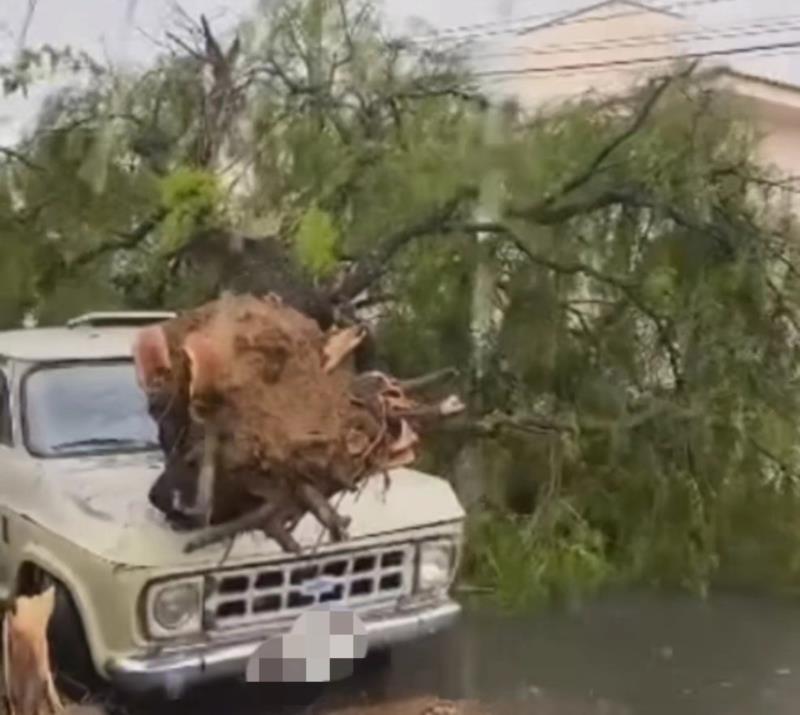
316, 240
31, 66
549, 557
192, 199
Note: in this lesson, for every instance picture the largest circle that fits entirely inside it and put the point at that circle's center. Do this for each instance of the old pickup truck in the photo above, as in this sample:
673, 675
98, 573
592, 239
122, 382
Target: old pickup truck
78, 454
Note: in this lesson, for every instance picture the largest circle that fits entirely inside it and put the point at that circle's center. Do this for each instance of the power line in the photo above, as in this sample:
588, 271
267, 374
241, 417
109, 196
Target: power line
636, 61
529, 22
509, 26
537, 106
496, 81
772, 25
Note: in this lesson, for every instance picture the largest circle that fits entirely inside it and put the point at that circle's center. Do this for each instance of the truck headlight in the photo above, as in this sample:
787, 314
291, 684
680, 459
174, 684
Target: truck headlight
175, 607
436, 559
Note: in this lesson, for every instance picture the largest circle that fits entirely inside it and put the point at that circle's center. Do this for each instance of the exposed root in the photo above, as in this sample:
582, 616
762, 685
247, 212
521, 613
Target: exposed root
205, 481
340, 345
423, 382
324, 512
213, 535
268, 420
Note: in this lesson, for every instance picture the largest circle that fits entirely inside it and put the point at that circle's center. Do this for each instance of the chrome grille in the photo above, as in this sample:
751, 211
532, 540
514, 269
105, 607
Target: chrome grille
357, 579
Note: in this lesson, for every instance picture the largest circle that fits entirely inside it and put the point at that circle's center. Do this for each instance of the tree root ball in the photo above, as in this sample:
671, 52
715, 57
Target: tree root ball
258, 407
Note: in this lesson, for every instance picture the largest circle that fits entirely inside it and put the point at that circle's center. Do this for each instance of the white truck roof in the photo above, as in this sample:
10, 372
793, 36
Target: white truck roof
93, 336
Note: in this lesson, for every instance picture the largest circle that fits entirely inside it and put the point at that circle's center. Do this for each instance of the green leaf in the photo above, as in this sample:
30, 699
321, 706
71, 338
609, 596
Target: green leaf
193, 201
316, 240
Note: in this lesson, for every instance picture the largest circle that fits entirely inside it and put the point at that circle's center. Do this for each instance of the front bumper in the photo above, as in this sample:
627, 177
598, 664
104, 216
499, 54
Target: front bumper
178, 671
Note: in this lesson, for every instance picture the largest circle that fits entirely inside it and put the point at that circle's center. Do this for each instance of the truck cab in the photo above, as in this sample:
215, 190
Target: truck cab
78, 455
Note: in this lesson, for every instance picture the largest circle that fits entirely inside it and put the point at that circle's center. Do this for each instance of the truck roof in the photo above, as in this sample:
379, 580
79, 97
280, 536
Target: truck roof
59, 343
92, 336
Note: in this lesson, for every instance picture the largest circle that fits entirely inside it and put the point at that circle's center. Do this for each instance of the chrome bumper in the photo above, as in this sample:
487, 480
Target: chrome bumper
178, 671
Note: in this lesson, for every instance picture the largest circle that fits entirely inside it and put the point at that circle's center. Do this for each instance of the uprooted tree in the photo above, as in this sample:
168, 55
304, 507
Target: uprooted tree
636, 408
263, 418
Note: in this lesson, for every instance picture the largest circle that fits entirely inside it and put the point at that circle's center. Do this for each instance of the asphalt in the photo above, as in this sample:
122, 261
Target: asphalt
629, 655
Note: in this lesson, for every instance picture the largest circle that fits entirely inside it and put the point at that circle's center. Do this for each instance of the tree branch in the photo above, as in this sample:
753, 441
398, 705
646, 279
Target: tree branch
639, 119
17, 156
545, 212
492, 424
662, 323
374, 265
423, 382
127, 240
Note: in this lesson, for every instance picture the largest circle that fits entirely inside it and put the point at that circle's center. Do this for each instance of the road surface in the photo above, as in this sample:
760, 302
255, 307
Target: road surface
620, 656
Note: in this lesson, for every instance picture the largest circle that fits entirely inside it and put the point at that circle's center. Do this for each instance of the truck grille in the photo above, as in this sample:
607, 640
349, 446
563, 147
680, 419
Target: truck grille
356, 579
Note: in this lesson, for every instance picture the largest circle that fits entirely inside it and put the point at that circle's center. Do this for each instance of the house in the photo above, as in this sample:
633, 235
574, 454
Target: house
608, 46
774, 106
603, 47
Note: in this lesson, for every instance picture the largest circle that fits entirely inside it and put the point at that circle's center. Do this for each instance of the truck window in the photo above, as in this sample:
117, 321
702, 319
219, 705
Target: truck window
86, 408
5, 411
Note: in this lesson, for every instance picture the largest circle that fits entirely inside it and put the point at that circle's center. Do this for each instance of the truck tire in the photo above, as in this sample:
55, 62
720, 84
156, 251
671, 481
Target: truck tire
69, 650
378, 659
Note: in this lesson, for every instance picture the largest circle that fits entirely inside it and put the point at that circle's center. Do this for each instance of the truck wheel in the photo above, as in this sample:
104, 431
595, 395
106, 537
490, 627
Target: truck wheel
378, 659
69, 650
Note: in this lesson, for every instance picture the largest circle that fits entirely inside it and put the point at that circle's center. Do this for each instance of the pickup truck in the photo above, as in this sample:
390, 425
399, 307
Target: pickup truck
78, 455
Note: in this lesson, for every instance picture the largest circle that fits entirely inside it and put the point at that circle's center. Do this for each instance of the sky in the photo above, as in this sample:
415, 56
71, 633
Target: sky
102, 27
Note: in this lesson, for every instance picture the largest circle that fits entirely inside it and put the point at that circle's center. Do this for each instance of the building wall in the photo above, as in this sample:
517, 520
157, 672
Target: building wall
614, 32
775, 111
624, 32
780, 146
780, 149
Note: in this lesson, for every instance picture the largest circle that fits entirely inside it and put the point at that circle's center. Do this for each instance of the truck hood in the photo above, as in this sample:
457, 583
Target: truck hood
101, 504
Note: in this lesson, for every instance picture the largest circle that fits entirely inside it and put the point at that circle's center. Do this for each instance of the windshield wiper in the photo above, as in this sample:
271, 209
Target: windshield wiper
102, 442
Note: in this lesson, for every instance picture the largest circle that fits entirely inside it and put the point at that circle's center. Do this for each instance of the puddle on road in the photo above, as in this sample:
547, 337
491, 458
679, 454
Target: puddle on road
620, 656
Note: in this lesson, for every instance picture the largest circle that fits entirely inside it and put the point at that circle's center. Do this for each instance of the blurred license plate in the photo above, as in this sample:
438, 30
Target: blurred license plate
321, 646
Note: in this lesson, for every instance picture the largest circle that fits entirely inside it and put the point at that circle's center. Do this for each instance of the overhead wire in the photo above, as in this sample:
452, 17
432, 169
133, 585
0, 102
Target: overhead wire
632, 69
633, 61
534, 105
769, 25
531, 22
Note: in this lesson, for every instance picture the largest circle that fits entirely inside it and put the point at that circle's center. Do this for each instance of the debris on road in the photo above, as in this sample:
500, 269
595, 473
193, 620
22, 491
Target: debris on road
263, 417
28, 680
418, 706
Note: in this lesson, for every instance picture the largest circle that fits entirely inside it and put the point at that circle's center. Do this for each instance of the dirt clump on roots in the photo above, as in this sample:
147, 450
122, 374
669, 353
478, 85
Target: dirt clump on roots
263, 417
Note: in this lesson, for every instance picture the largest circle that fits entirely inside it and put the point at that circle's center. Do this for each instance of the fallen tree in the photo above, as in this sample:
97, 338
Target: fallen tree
263, 417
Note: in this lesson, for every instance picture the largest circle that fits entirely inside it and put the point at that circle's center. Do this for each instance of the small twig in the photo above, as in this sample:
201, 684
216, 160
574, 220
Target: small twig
228, 548
492, 424
21, 158
26, 26
186, 47
468, 589
424, 381
446, 408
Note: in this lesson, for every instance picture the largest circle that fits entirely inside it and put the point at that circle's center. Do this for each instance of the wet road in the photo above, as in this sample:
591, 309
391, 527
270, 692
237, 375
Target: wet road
648, 655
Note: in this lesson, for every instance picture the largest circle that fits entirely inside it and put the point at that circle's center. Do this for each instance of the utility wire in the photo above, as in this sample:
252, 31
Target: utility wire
632, 71
637, 60
526, 23
771, 25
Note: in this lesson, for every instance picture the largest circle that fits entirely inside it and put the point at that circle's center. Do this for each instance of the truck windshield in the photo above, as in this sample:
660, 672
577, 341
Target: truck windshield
86, 408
